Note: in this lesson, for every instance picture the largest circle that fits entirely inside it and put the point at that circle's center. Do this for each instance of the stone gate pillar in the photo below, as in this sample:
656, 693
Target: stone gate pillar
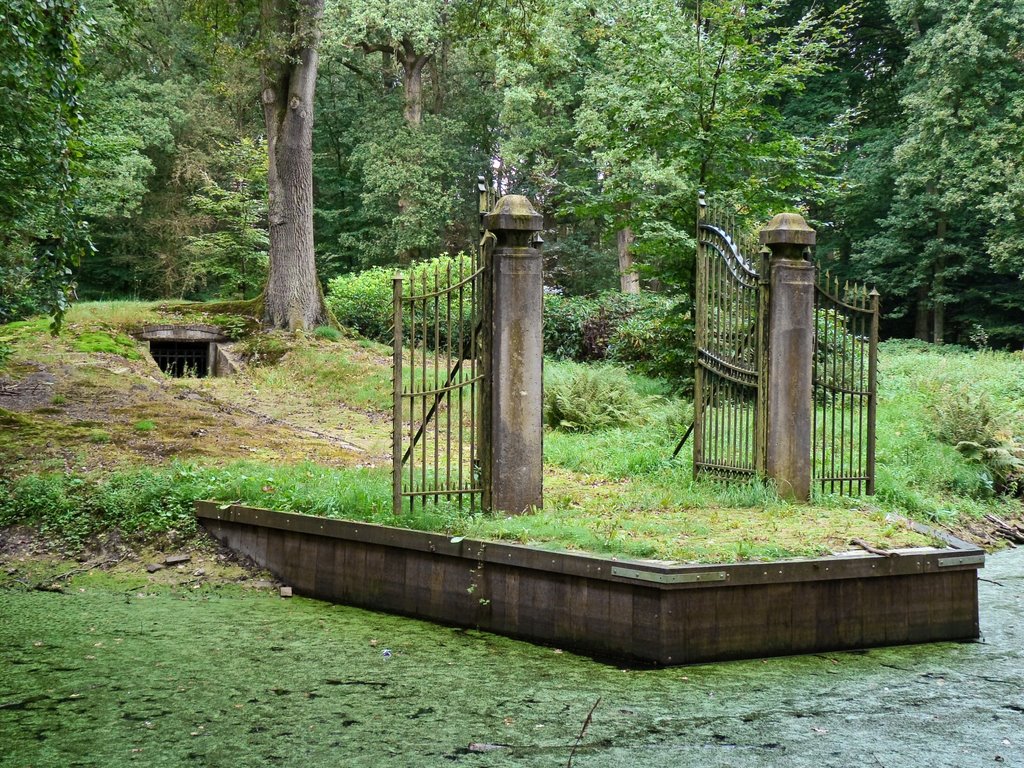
512, 435
788, 389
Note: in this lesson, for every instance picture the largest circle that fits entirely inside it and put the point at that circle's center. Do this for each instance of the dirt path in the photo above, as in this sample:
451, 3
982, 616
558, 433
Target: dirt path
103, 412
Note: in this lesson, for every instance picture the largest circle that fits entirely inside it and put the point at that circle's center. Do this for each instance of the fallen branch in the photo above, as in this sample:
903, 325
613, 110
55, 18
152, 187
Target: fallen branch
583, 730
1009, 532
873, 550
44, 587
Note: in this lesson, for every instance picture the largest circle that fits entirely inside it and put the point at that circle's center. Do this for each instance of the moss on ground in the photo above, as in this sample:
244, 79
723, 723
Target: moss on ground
111, 343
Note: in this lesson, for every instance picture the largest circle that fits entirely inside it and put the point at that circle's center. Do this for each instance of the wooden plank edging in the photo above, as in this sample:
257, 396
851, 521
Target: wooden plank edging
958, 556
654, 611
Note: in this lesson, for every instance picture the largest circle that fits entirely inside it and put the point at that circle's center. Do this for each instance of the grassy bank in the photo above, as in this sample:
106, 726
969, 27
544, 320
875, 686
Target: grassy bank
95, 438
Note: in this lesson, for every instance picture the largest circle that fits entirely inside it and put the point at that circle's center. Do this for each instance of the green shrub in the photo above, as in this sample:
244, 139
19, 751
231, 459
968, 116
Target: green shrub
586, 398
364, 301
962, 415
22, 292
1003, 459
971, 422
6, 350
657, 339
564, 317
651, 333
581, 329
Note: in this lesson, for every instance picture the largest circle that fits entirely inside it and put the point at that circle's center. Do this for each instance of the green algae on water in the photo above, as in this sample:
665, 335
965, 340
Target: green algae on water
114, 671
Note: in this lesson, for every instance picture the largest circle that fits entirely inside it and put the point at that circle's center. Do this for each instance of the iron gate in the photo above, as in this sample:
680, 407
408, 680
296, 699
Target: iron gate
728, 331
845, 387
438, 369
732, 298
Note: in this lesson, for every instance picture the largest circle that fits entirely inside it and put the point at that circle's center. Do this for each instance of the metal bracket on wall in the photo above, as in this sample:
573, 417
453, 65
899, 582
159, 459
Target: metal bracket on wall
668, 578
964, 560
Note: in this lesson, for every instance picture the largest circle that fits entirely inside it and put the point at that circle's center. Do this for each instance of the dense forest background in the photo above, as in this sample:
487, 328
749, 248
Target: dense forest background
133, 153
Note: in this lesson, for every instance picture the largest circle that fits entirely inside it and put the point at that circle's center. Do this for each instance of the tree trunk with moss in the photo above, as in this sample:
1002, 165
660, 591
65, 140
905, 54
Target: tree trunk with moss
292, 298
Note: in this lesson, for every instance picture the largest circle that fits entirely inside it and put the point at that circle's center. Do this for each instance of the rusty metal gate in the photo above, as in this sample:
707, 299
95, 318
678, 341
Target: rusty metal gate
438, 368
732, 300
845, 387
728, 341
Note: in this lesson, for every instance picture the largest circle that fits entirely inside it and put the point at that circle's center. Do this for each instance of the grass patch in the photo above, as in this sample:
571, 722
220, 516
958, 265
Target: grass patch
146, 425
324, 374
126, 315
22, 330
613, 453
327, 332
631, 520
144, 502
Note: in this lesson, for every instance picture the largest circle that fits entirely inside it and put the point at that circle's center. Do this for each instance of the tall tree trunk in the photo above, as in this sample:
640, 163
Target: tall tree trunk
629, 280
412, 81
922, 314
938, 285
293, 298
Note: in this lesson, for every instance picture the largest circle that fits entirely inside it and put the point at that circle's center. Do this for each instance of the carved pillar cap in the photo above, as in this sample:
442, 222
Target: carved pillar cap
787, 229
514, 212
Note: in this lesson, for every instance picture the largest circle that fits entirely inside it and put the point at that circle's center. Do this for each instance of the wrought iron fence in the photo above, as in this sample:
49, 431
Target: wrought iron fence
845, 387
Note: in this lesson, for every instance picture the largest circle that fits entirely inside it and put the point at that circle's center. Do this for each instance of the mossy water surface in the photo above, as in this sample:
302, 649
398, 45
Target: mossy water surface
118, 671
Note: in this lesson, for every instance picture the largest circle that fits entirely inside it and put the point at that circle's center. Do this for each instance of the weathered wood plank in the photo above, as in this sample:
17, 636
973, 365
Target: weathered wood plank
849, 630
324, 583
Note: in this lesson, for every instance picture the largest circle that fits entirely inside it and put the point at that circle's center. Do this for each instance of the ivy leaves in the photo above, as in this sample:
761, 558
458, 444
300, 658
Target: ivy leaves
40, 155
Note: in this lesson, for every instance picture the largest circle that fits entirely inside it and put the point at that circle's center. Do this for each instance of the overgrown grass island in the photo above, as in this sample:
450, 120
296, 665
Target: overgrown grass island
95, 439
